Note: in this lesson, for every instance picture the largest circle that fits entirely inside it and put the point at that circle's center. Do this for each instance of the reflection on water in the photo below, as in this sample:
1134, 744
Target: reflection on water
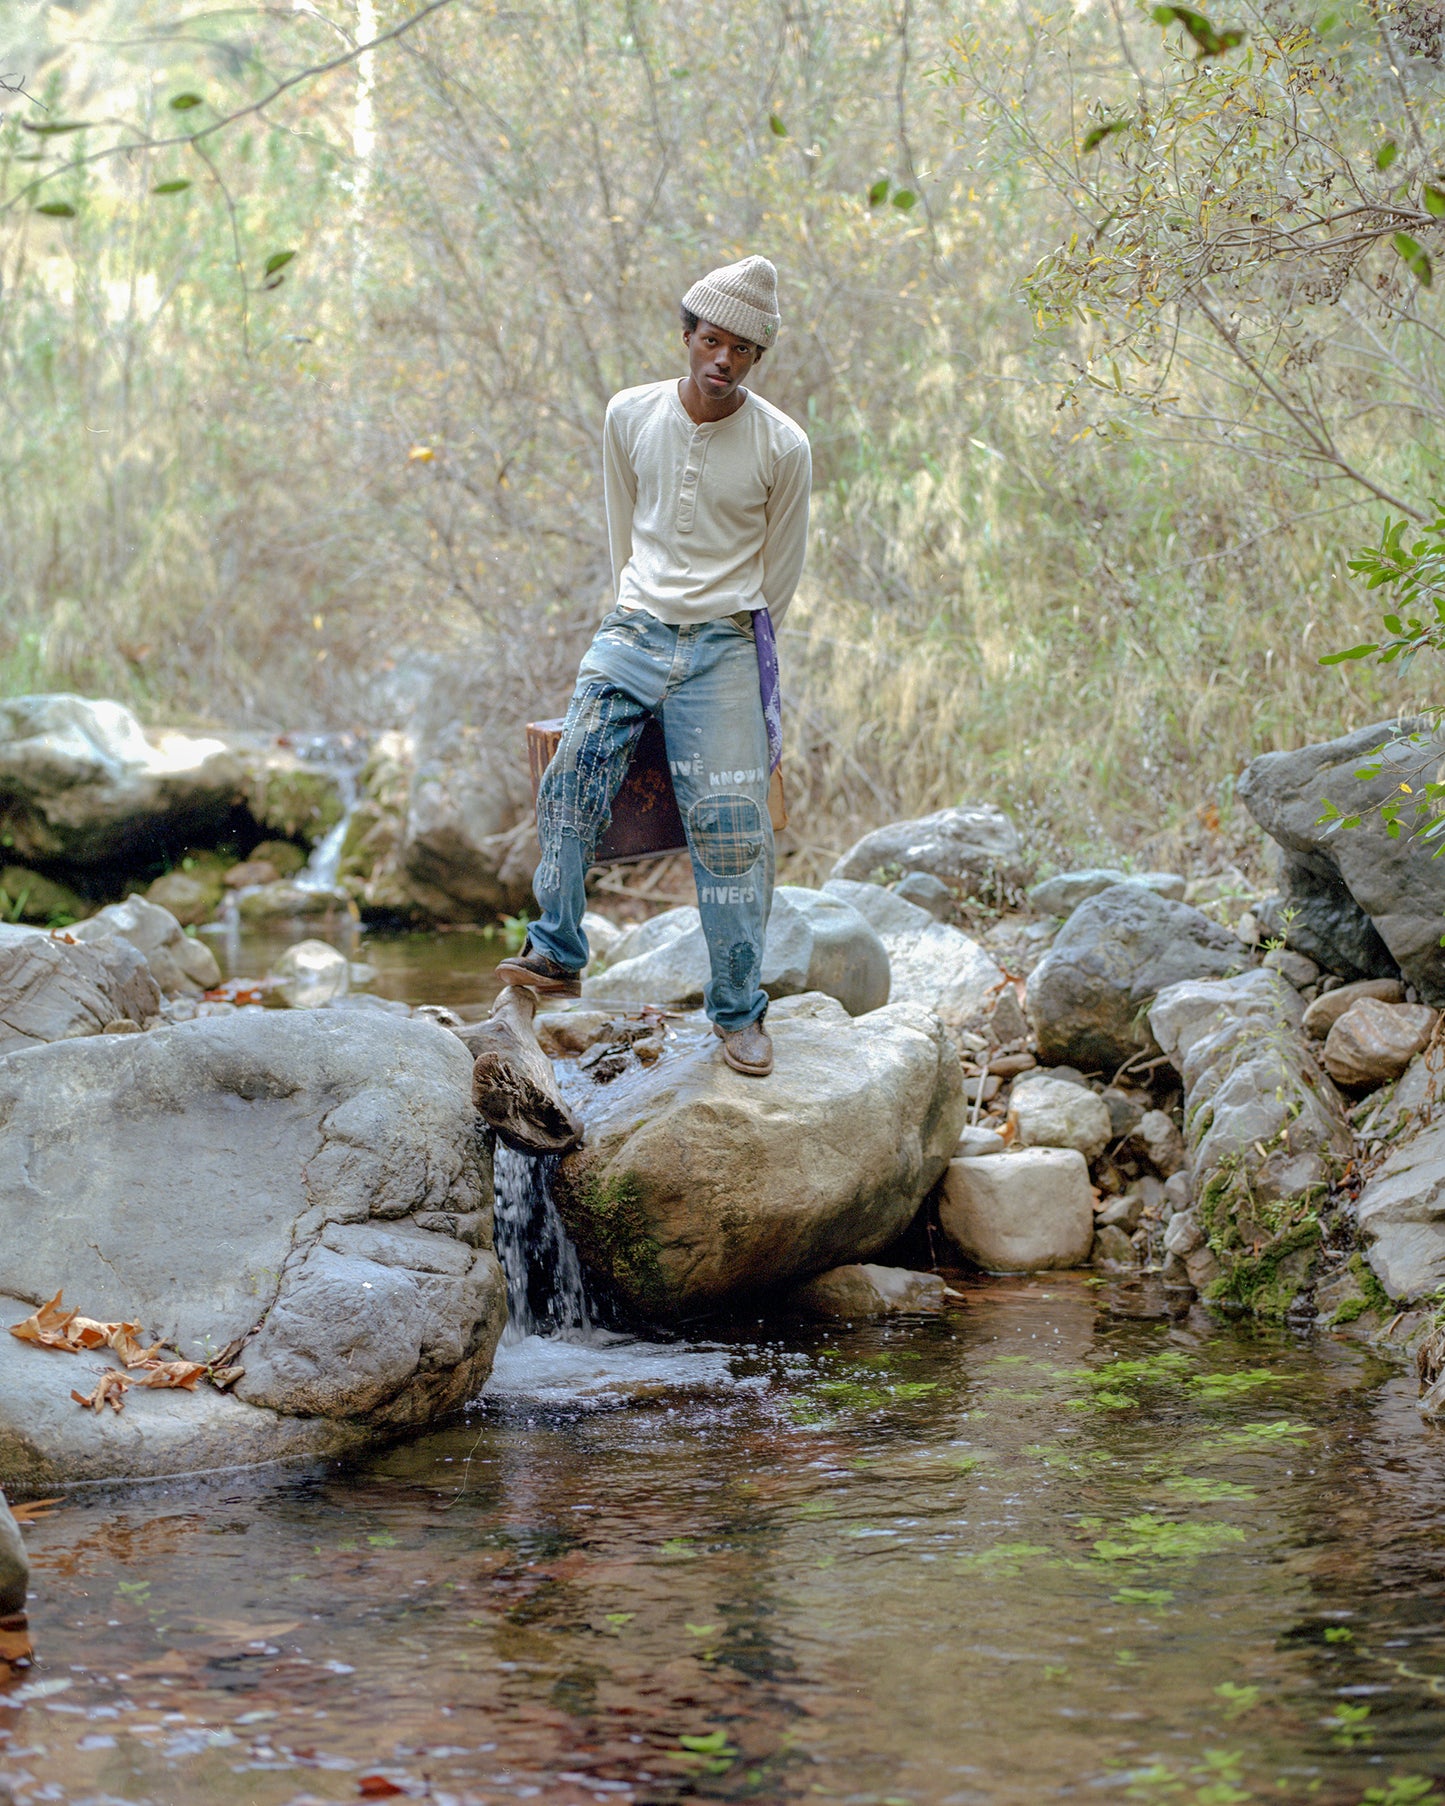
1057, 1545
454, 968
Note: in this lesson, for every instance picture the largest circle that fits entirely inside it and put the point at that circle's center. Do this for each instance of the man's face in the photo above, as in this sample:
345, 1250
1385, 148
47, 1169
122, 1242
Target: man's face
718, 359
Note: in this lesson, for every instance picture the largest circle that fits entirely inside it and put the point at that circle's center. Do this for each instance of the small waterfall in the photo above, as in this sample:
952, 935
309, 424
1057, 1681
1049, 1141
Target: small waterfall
546, 1289
335, 753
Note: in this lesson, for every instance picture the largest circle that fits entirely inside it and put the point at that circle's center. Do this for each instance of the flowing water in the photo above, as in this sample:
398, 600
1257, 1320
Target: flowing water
1069, 1542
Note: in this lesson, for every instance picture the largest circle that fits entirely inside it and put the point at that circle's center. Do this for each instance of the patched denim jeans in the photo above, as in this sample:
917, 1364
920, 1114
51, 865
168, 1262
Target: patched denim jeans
702, 684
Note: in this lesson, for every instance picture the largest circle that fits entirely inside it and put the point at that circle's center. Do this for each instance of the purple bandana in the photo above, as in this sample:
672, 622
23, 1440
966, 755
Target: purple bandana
769, 686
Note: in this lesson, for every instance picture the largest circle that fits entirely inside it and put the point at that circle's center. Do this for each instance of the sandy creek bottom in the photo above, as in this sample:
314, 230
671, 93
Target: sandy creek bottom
1070, 1542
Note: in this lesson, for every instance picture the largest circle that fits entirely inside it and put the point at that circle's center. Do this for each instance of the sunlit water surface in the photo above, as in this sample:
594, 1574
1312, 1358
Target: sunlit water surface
1055, 1546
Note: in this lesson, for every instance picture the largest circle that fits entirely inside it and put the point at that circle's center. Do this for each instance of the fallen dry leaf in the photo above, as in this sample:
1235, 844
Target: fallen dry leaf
33, 1509
377, 1787
162, 1374
16, 1649
109, 1388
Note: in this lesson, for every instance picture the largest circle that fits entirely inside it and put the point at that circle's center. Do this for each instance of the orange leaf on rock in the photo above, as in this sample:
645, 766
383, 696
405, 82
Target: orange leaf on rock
162, 1374
377, 1787
109, 1389
33, 1509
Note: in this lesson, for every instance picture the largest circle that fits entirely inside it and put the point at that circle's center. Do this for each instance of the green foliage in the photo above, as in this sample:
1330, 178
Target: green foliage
614, 1233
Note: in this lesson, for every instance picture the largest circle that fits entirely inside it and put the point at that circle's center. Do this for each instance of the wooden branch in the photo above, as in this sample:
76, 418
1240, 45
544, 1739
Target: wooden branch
513, 1085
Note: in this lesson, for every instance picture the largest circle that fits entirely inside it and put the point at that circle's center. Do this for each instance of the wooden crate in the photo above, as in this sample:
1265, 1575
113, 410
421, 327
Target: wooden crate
645, 819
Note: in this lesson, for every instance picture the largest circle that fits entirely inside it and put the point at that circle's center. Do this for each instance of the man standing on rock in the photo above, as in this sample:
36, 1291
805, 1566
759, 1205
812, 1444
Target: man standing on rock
706, 488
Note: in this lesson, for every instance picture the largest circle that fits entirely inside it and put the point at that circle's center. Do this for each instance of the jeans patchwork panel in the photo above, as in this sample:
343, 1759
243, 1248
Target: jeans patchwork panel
575, 796
726, 832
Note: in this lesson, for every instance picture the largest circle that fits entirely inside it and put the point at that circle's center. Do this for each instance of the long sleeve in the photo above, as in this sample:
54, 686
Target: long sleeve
785, 541
619, 496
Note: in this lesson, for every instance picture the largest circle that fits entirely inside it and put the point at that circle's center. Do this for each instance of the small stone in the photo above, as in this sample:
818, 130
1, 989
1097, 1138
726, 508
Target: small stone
1007, 1022
431, 1012
1009, 1066
863, 1289
563, 1034
1125, 1112
121, 1026
1202, 1267
1335, 998
311, 974
284, 855
272, 902
250, 872
1112, 1248
191, 900
1160, 1143
1120, 1213
1178, 1191
1373, 1042
1298, 968
976, 1143
1048, 1112
1153, 1197
927, 892
990, 1087
1030, 1211
1183, 1234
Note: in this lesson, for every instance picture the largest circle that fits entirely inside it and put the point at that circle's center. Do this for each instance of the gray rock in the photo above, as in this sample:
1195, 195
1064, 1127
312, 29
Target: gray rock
288, 1188
977, 1142
1364, 906
469, 846
1326, 1010
1401, 1216
14, 1563
311, 974
928, 892
1031, 1210
1125, 1112
1296, 967
863, 1290
82, 782
1061, 895
970, 845
53, 987
602, 933
1159, 1141
287, 900
815, 942
929, 962
696, 1185
1089, 996
1264, 1127
1373, 1042
1051, 1113
183, 967
1178, 1193
1183, 1234
1112, 1248
1120, 1213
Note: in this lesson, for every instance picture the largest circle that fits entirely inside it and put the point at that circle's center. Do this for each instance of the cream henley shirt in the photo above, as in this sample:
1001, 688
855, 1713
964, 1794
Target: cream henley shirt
703, 521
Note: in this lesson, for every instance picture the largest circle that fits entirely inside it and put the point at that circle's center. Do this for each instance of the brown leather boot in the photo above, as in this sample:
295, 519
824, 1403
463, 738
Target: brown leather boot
748, 1050
537, 973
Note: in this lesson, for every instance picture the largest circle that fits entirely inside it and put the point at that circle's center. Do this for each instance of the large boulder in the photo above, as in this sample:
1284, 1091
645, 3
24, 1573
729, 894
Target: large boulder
862, 1290
183, 967
82, 782
53, 987
1358, 902
1062, 894
14, 1564
815, 942
469, 847
1089, 996
697, 1187
975, 846
1265, 1130
929, 962
303, 1196
1373, 1042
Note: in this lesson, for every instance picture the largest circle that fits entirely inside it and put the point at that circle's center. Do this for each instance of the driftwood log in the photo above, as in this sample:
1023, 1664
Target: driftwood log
513, 1085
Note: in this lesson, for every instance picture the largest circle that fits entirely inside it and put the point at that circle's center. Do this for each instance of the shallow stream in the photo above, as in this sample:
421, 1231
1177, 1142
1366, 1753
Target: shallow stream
1066, 1543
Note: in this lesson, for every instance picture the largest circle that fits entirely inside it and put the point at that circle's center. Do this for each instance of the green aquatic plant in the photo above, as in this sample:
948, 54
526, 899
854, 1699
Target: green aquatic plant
1347, 1722
1004, 1560
1403, 1790
1141, 1596
1151, 1538
1229, 1385
1237, 1699
1202, 1491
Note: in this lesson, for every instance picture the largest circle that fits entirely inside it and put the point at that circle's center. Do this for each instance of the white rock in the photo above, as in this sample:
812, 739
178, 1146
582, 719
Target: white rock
53, 988
815, 942
1052, 1113
312, 974
931, 963
1031, 1210
976, 1142
1159, 1141
603, 934
183, 967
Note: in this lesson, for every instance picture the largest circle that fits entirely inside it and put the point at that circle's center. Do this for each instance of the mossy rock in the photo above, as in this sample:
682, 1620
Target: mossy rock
191, 897
294, 801
284, 855
27, 896
610, 1226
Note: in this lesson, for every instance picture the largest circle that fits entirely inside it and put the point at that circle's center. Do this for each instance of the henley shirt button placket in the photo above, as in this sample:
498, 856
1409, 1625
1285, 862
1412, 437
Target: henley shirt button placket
687, 497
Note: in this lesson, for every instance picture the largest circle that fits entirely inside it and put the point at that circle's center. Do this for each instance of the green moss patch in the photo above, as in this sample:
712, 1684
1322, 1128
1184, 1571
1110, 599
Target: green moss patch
613, 1233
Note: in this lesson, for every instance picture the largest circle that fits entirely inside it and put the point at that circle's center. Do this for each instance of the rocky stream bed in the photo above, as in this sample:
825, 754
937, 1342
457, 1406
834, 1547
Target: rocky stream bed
645, 1471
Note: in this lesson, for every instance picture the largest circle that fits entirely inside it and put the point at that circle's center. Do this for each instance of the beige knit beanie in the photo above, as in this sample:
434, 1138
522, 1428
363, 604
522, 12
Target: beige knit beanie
743, 297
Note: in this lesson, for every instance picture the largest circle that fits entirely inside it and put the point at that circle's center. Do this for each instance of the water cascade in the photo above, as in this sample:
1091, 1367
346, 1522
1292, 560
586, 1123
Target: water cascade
546, 1288
335, 753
